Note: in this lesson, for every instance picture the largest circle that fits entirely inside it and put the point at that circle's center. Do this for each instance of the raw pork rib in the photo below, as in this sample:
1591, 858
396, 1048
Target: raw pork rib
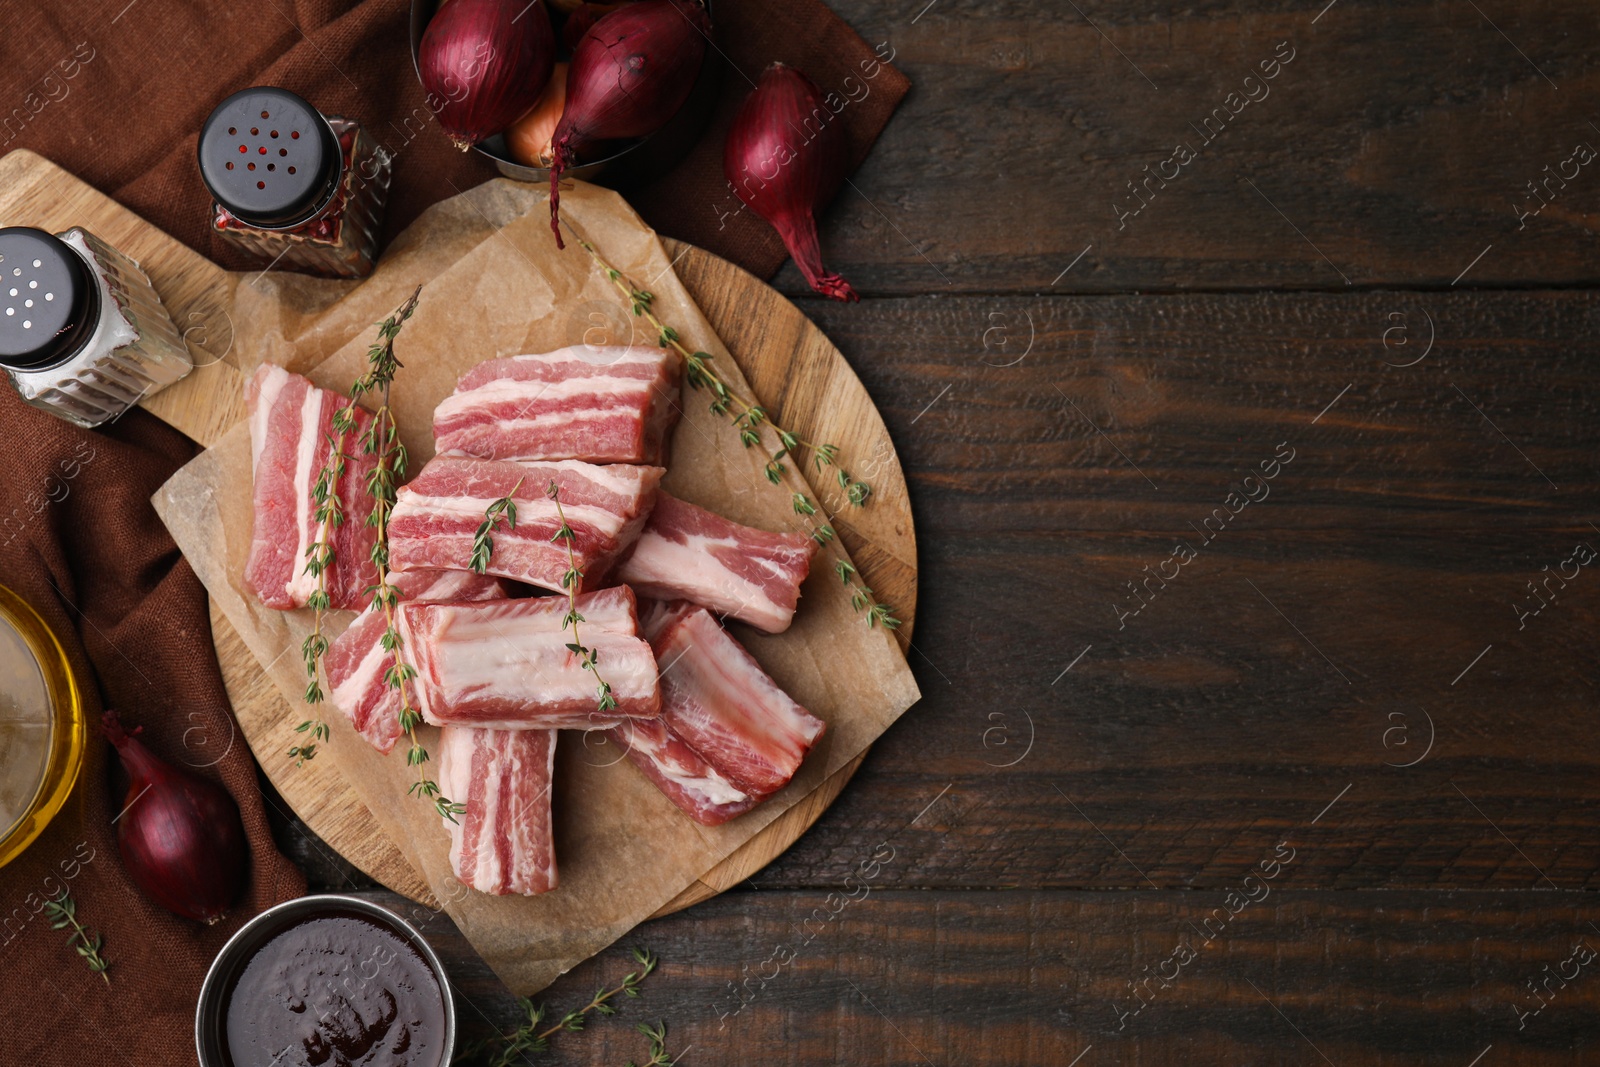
736, 570
437, 515
505, 664
356, 662
681, 773
728, 737
603, 405
504, 842
290, 420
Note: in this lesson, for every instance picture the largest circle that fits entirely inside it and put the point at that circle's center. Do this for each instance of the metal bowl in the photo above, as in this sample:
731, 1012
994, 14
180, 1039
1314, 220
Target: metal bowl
209, 1016
626, 161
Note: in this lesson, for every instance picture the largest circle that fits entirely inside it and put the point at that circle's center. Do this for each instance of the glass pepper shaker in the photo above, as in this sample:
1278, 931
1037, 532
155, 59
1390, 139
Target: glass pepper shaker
83, 334
292, 187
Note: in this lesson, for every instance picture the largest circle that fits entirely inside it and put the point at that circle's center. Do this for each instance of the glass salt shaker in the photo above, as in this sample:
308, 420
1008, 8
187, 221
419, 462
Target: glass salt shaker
292, 187
83, 334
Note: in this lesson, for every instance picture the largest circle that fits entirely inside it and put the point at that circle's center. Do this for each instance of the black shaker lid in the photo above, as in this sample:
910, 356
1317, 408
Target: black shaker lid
269, 157
49, 299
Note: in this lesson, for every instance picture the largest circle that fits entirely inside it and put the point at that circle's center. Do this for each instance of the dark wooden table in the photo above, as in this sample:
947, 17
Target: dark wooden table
1259, 517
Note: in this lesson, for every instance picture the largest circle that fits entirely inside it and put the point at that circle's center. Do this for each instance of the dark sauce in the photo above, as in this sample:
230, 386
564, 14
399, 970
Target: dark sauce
335, 991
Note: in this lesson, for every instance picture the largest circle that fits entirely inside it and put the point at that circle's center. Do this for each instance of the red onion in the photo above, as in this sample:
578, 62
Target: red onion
484, 63
631, 72
581, 18
180, 835
784, 153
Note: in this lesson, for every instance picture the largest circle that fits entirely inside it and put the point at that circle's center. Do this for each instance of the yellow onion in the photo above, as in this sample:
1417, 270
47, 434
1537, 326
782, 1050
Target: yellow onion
528, 139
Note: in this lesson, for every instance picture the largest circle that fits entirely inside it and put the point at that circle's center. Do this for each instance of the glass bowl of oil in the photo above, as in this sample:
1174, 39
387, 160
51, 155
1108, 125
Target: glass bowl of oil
42, 726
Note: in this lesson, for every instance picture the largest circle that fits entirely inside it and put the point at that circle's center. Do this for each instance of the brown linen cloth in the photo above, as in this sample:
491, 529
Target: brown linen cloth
116, 93
81, 544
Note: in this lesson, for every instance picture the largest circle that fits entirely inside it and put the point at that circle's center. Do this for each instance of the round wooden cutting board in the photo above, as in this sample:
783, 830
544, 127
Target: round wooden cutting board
798, 374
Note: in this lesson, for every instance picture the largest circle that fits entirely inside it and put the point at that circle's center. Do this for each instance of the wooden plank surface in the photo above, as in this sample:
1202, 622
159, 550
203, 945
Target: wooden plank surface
1396, 544
1043, 977
1059, 822
1399, 141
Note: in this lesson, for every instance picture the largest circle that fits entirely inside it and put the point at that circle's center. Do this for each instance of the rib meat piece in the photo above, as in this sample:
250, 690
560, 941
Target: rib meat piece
357, 663
602, 405
681, 773
505, 664
728, 737
437, 515
689, 552
504, 842
290, 422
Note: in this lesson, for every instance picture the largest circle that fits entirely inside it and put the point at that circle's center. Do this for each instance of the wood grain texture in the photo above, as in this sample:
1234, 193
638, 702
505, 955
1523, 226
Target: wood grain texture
1399, 141
1307, 645
810, 389
1039, 977
1024, 902
1060, 821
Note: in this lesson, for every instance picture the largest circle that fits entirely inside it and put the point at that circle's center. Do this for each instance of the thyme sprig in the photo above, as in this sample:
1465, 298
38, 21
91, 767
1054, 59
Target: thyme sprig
746, 415
861, 597
63, 914
381, 440
571, 579
329, 516
503, 1050
657, 1034
502, 511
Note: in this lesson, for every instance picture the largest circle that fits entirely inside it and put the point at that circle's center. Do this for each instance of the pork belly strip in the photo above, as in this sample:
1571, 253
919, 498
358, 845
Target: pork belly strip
728, 737
356, 662
680, 772
506, 665
436, 516
717, 698
504, 842
749, 574
290, 422
602, 405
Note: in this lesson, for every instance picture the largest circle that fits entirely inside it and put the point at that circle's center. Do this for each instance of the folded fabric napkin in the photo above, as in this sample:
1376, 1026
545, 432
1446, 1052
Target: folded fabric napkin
80, 543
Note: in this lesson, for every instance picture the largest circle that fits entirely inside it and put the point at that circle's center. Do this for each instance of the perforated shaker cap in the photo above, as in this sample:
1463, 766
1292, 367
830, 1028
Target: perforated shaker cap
49, 299
269, 158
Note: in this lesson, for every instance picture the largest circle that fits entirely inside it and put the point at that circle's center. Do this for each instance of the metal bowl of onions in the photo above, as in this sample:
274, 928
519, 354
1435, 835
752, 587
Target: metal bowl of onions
322, 979
621, 161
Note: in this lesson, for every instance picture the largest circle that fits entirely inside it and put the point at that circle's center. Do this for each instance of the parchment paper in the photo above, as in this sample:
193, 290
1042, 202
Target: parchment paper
495, 285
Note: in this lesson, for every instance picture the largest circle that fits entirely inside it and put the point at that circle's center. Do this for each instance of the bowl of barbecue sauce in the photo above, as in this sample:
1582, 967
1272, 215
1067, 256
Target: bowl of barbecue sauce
326, 981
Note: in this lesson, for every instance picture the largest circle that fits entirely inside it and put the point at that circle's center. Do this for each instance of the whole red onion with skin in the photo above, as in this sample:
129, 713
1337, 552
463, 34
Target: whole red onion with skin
180, 835
581, 18
631, 71
785, 151
484, 63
